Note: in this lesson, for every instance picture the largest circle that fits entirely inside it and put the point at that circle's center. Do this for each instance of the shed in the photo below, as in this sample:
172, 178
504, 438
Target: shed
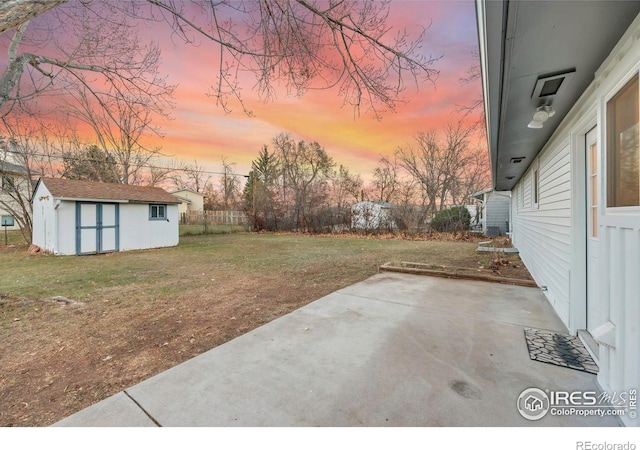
368, 215
495, 211
76, 217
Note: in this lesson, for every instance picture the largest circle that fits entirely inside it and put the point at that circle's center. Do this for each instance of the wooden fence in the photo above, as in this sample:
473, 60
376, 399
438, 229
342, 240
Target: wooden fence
214, 218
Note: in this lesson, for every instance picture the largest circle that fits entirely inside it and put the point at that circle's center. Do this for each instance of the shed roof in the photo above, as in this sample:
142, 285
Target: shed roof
91, 190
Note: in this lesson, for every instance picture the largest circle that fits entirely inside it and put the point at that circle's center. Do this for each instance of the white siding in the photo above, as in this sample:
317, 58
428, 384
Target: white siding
138, 232
497, 210
543, 234
66, 226
552, 237
44, 220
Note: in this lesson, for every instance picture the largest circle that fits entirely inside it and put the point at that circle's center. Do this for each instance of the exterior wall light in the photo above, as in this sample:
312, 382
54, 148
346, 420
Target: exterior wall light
541, 115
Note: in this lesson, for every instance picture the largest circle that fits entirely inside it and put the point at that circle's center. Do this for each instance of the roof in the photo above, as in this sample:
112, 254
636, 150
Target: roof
188, 190
92, 190
13, 168
535, 54
182, 199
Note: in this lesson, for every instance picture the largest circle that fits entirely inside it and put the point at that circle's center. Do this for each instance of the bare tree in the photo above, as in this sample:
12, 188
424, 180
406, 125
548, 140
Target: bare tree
447, 170
229, 185
24, 157
345, 187
191, 176
306, 169
385, 180
301, 44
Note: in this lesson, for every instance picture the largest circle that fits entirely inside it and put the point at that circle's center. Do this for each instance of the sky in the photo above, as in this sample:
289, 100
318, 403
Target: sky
199, 130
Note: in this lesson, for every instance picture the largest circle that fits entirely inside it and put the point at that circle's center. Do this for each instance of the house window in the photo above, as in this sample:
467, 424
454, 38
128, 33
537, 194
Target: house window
8, 183
623, 157
157, 212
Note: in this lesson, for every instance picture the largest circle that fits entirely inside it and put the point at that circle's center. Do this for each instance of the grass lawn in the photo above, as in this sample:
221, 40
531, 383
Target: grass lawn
142, 312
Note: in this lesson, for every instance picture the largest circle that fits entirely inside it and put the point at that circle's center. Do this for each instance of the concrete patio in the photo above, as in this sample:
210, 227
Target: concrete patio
393, 350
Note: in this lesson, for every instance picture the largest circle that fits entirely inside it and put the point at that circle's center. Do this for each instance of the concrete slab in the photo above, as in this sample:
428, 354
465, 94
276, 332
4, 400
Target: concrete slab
393, 350
117, 411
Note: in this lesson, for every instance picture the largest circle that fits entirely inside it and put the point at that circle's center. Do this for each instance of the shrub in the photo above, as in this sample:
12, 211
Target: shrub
456, 218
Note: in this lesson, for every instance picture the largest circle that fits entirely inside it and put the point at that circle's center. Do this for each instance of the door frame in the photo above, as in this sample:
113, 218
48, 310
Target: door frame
579, 234
98, 227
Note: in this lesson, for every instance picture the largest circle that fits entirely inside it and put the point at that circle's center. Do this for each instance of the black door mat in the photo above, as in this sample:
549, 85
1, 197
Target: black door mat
560, 349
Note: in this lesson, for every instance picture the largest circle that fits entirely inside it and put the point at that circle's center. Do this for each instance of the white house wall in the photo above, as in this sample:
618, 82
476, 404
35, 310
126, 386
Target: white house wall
619, 230
138, 232
551, 236
497, 210
542, 234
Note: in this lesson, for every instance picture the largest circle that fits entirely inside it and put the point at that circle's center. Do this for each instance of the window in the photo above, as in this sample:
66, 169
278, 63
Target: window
623, 164
7, 221
157, 212
8, 183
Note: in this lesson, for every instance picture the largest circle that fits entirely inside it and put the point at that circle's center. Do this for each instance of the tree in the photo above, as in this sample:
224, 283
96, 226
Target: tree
345, 187
385, 180
191, 176
305, 171
301, 44
24, 156
260, 194
447, 170
229, 185
92, 164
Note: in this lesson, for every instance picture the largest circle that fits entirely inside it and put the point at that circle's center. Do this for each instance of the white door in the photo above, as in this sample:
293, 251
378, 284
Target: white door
593, 269
108, 228
88, 228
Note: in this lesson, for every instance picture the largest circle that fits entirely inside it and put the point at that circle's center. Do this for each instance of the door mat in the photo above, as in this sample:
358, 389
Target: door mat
560, 349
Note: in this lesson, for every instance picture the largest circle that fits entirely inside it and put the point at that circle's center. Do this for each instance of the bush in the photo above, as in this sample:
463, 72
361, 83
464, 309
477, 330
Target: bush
456, 218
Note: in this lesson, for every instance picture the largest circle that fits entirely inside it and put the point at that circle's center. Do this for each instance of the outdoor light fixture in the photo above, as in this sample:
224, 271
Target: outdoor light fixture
541, 115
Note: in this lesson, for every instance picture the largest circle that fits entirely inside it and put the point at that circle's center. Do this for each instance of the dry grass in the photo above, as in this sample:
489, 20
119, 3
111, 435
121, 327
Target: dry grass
143, 312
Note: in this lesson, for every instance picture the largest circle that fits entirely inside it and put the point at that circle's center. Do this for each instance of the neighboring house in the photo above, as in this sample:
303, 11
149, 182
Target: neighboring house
73, 217
494, 211
189, 200
13, 178
561, 90
370, 216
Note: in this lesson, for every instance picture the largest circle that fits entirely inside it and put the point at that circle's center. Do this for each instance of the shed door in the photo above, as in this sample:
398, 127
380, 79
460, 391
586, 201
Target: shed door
97, 228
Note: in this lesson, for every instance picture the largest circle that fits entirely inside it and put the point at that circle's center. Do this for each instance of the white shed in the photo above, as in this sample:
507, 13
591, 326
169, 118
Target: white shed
74, 217
368, 215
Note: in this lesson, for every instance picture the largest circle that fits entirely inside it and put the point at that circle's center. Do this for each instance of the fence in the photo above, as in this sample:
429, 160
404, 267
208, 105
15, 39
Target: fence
214, 218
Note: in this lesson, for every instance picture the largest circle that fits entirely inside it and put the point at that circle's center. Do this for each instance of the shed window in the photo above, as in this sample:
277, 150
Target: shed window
157, 212
623, 157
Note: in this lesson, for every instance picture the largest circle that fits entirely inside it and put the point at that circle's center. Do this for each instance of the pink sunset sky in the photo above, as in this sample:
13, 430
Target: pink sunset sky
199, 130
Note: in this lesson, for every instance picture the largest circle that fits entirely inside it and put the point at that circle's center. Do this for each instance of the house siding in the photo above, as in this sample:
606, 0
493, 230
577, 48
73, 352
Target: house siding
551, 237
497, 210
543, 233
